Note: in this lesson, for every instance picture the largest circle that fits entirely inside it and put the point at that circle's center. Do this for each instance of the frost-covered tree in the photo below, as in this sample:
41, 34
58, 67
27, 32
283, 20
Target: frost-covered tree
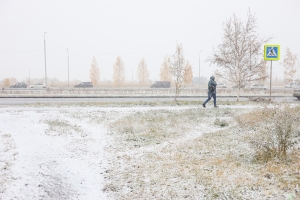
94, 72
177, 68
239, 57
6, 82
142, 73
165, 70
289, 65
188, 73
119, 72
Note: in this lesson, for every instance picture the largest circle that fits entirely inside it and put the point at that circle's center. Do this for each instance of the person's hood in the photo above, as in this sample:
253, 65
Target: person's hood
212, 78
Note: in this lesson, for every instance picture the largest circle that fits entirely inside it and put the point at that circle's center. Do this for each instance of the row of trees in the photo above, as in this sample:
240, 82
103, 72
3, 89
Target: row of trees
169, 71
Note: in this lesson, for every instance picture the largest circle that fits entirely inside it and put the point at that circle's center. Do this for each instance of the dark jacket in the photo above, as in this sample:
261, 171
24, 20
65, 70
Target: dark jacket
212, 82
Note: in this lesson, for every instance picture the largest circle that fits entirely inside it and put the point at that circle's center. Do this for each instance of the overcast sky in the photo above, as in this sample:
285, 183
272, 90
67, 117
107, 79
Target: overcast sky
132, 29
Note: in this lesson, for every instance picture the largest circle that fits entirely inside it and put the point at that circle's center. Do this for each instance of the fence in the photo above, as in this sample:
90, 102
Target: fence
148, 92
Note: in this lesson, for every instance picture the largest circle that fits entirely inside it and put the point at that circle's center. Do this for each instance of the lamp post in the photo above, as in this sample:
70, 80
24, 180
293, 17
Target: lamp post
68, 69
45, 59
199, 68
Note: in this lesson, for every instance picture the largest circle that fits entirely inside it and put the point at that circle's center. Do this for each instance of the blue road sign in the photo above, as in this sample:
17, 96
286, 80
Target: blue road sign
272, 52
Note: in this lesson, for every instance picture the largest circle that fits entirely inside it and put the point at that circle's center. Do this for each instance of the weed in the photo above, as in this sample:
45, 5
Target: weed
221, 123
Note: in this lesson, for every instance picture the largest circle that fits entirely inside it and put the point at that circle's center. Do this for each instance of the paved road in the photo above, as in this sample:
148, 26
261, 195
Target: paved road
20, 101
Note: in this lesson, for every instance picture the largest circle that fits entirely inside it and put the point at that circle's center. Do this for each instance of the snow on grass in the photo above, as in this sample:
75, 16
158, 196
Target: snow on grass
144, 150
56, 159
7, 157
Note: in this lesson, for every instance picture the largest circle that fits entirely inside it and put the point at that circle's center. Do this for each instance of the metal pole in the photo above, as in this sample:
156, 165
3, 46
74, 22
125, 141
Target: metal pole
199, 68
68, 69
199, 71
271, 80
45, 59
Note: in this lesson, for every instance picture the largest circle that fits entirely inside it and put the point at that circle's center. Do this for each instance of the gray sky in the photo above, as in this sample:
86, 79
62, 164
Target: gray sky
133, 29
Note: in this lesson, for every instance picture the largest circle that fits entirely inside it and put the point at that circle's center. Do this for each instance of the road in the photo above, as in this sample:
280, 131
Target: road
20, 101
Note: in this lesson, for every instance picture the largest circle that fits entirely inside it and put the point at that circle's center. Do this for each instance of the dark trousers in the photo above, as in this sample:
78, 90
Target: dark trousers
209, 98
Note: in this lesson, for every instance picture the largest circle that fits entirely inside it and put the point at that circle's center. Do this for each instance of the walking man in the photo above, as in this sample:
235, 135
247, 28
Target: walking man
211, 91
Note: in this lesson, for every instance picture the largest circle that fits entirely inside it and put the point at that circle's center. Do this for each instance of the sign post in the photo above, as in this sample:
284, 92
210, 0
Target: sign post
271, 52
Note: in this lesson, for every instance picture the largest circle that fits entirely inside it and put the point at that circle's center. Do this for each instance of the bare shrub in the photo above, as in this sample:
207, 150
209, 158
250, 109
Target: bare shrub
276, 130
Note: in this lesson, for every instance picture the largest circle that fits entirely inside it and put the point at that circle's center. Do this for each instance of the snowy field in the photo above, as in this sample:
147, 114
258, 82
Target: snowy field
135, 151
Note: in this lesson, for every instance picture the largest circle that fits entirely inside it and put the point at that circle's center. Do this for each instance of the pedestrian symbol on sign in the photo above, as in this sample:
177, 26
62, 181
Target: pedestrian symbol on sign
272, 52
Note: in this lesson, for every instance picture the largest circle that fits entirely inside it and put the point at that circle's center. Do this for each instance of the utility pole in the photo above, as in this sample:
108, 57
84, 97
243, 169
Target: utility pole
68, 69
45, 60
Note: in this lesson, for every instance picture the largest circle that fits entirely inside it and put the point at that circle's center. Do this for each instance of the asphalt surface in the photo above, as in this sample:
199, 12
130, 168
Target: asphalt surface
20, 101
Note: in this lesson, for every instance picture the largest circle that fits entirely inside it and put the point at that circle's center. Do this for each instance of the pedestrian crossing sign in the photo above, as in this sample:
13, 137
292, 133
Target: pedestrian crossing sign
272, 52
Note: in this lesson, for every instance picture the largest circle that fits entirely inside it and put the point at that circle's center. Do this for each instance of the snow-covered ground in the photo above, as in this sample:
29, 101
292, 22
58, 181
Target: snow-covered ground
134, 152
65, 162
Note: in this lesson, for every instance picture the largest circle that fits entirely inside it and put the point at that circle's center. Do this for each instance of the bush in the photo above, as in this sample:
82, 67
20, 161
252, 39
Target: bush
276, 131
221, 123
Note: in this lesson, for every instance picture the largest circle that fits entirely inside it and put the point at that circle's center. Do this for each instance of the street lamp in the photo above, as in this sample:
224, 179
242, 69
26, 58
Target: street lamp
45, 59
68, 68
199, 68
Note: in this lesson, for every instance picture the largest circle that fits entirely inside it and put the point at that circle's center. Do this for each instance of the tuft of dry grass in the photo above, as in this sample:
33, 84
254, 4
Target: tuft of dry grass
58, 127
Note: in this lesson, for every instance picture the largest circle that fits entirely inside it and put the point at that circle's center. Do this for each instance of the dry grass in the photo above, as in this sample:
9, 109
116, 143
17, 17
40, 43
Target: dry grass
62, 127
170, 158
146, 128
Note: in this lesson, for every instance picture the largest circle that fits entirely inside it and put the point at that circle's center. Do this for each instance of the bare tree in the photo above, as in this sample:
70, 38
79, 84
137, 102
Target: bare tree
289, 65
119, 72
142, 73
165, 70
188, 73
6, 82
94, 72
239, 58
177, 68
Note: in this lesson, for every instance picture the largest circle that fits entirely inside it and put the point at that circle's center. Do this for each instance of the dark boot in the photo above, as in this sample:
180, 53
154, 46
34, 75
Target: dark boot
203, 105
216, 106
